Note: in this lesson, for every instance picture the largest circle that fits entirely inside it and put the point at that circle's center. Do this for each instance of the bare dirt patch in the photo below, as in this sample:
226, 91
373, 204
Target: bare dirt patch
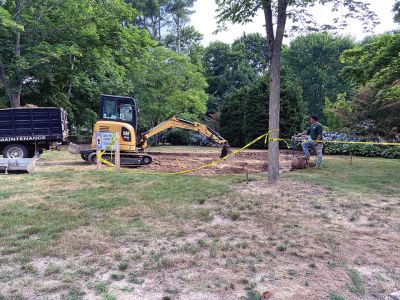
252, 161
175, 160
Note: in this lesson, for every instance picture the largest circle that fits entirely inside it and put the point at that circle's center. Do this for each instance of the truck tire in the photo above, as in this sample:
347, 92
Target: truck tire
15, 151
92, 158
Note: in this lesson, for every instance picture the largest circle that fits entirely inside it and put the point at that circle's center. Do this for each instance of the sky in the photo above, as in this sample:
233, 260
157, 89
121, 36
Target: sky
205, 22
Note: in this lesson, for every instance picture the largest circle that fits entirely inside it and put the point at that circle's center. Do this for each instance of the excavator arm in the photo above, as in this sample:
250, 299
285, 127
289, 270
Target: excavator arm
174, 122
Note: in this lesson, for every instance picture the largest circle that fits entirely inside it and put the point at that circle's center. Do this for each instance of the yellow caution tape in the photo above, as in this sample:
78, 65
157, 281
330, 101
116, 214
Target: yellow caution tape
208, 165
264, 136
341, 142
283, 140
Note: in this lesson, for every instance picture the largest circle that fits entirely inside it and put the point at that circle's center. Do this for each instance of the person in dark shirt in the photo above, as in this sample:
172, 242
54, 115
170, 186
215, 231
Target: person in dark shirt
315, 131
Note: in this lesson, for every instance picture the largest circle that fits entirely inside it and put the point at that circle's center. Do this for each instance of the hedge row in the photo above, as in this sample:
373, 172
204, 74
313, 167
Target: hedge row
363, 150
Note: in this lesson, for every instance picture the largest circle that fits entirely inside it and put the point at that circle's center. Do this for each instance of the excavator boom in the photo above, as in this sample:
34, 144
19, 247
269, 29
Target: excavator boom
174, 122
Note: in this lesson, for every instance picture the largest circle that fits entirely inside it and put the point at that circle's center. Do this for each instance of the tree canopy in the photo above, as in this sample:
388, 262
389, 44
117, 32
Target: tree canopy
315, 60
72, 51
167, 21
168, 84
374, 68
67, 50
396, 10
230, 67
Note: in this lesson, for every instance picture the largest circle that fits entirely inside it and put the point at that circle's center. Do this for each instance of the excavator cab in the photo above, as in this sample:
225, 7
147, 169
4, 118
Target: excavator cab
118, 109
118, 114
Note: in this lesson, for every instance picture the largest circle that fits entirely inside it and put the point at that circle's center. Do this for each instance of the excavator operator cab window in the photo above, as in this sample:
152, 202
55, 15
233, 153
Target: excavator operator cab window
125, 112
110, 110
117, 108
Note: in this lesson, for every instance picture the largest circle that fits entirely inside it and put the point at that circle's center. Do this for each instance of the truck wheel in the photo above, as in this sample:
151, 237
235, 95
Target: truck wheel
92, 158
15, 151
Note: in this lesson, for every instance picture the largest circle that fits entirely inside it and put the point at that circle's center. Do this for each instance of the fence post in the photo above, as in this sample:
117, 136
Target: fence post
117, 162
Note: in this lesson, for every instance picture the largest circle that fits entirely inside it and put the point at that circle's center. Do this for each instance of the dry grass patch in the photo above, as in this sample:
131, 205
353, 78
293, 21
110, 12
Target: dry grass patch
81, 241
103, 235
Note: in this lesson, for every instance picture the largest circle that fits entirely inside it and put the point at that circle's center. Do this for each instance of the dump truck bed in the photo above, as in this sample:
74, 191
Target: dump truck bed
33, 124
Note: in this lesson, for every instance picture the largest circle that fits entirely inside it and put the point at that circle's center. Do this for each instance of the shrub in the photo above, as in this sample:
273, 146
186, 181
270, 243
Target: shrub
281, 247
234, 215
176, 137
363, 150
244, 113
357, 149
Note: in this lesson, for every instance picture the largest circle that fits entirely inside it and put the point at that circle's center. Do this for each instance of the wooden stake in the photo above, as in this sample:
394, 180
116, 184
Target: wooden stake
247, 173
98, 161
351, 158
117, 162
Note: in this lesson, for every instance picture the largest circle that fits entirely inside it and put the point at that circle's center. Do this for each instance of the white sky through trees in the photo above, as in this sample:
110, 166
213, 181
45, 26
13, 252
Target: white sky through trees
204, 20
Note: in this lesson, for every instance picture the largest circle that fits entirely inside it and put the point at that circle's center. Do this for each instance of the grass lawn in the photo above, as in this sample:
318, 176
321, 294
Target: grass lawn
77, 233
374, 176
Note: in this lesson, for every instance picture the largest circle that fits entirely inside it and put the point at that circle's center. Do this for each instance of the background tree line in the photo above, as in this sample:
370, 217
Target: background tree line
66, 53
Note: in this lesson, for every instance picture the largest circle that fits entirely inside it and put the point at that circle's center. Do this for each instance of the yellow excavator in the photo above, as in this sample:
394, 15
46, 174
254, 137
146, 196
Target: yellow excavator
119, 114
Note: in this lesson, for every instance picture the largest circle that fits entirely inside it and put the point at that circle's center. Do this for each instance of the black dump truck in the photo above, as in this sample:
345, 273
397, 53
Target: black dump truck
25, 132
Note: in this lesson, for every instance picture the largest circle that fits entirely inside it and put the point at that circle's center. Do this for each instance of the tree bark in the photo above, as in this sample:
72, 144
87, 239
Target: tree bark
15, 98
274, 108
14, 93
3, 77
275, 44
178, 35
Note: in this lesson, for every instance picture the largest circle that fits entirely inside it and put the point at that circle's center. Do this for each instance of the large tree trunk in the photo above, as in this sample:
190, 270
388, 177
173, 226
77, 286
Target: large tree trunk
15, 98
13, 86
4, 80
14, 93
178, 35
274, 108
274, 50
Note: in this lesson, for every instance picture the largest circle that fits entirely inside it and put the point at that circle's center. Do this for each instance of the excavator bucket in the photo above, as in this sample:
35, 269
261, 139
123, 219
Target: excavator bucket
74, 149
226, 150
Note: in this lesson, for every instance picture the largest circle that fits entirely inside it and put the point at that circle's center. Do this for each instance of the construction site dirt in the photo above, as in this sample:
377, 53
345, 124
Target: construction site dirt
170, 159
251, 161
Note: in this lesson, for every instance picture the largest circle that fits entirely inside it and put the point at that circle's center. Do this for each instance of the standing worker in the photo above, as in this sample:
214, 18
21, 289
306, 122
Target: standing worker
315, 132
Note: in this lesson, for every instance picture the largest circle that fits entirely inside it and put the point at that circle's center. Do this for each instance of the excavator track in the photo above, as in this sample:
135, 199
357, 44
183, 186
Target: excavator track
135, 160
131, 160
126, 160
